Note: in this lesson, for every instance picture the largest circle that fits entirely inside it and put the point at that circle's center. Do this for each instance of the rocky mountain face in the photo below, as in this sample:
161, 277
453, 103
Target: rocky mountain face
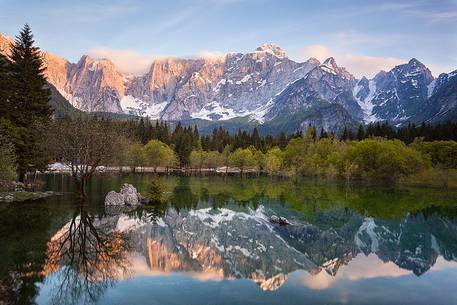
5, 44
261, 86
213, 89
396, 95
442, 103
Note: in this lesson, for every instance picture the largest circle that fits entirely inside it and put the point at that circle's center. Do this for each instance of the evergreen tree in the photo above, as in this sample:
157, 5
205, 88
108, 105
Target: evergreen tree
282, 141
360, 133
345, 135
323, 134
31, 110
5, 88
311, 132
32, 93
256, 138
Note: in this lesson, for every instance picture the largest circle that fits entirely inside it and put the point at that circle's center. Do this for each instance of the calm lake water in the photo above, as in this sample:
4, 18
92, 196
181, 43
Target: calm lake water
213, 243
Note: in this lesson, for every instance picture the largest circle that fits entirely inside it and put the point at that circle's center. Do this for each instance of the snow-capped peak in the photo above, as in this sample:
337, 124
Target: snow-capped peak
415, 62
272, 49
330, 66
330, 63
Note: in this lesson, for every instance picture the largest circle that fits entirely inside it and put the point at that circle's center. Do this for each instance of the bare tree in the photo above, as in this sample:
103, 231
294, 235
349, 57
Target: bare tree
84, 144
87, 256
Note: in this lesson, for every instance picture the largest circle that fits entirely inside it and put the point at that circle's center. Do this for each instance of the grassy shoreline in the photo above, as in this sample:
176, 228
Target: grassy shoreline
433, 178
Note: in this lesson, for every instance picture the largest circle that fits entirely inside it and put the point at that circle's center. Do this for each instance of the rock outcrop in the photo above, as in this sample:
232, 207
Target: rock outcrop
127, 196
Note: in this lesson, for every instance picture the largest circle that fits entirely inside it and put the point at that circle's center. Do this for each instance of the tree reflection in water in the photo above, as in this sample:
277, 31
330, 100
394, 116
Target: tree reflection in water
86, 257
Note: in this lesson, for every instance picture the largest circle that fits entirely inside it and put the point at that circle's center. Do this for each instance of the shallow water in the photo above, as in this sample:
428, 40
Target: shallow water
213, 243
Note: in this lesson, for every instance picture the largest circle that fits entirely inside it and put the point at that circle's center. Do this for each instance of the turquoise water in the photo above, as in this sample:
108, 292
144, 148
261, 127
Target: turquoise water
212, 242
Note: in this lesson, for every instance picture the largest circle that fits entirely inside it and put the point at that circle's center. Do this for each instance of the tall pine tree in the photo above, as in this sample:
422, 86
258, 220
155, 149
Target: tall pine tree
5, 87
30, 102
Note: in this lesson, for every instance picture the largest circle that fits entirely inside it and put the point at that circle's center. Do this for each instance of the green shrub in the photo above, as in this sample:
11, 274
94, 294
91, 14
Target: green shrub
382, 159
442, 153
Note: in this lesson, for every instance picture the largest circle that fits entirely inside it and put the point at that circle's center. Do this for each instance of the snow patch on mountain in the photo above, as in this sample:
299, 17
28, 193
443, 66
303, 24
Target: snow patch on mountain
272, 49
366, 104
131, 105
215, 217
368, 227
431, 88
259, 113
214, 111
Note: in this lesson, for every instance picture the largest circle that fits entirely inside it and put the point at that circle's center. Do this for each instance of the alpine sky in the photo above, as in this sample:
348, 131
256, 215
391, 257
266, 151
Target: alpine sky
365, 36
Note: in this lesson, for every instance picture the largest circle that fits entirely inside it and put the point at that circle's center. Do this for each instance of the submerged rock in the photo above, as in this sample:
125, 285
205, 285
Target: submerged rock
8, 198
279, 220
127, 196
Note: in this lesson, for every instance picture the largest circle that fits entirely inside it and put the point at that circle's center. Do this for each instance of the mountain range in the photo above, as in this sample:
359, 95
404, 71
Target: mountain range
263, 87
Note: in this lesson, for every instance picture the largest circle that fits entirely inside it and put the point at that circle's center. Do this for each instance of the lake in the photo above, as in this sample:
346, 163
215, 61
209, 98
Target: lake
213, 243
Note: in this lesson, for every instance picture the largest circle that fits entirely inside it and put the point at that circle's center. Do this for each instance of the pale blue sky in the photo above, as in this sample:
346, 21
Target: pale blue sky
362, 35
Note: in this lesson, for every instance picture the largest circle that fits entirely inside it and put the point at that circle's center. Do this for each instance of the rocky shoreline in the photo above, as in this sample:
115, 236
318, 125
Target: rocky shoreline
24, 196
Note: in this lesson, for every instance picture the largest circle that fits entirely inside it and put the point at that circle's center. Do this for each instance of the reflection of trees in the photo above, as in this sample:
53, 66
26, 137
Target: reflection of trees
24, 234
149, 213
87, 256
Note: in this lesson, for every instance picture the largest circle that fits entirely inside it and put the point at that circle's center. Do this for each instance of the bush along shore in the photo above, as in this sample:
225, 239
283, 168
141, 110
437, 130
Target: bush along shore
375, 160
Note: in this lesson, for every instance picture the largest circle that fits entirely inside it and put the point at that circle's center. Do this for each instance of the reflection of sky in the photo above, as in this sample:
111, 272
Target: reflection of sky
365, 280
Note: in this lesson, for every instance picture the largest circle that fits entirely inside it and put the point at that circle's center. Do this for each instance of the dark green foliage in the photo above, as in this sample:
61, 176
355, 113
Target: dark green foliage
360, 133
184, 141
24, 100
31, 91
323, 134
7, 159
444, 131
5, 87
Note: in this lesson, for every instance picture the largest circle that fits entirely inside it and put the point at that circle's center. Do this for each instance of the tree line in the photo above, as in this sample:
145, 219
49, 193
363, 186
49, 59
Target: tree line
303, 155
407, 134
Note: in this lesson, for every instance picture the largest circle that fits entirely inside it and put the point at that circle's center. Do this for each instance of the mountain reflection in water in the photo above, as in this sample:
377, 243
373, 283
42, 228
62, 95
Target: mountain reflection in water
217, 231
221, 243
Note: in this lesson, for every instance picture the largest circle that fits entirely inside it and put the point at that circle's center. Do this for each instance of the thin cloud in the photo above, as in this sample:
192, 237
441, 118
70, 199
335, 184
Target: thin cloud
359, 65
126, 61
133, 63
377, 8
209, 55
438, 17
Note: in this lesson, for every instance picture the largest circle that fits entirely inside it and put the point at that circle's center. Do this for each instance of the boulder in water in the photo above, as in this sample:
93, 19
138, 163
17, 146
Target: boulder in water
127, 196
114, 198
131, 195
